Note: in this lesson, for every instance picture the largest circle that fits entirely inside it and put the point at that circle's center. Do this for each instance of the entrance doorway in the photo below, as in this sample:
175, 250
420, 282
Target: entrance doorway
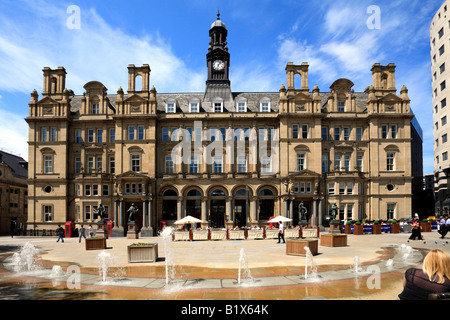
240, 213
218, 213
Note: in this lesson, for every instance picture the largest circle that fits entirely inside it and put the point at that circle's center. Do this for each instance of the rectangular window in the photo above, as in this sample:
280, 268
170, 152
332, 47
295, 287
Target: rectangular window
169, 165
87, 213
442, 68
141, 133
390, 161
77, 165
78, 138
301, 161
90, 136
444, 120
170, 108
98, 164
324, 163
246, 134
165, 134
193, 166
237, 134
384, 131
194, 107
242, 164
442, 85
241, 107
48, 217
341, 106
198, 134
347, 162
112, 135
99, 136
390, 211
359, 162
324, 133
218, 164
48, 164
341, 188
295, 131
337, 134
52, 134
346, 134
112, 164
444, 138
218, 107
105, 190
265, 107
266, 165
359, 134
131, 133
350, 188
188, 134
394, 131
337, 163
308, 187
305, 131
441, 33
95, 108
443, 103
445, 156
270, 134
441, 50
349, 211
261, 134
223, 134
90, 168
331, 188
87, 190
44, 135
95, 190
135, 163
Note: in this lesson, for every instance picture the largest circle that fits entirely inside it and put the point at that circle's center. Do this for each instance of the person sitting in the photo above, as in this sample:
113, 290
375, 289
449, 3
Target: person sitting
434, 277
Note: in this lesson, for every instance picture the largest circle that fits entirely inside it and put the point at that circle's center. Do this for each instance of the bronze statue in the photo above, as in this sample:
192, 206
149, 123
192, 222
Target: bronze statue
101, 211
133, 210
334, 211
302, 211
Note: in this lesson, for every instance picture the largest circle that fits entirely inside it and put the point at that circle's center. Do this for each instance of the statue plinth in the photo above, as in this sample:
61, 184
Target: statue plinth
335, 226
102, 230
132, 230
303, 223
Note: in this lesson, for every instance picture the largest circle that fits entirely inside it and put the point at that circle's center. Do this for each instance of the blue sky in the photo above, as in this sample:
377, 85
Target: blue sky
172, 37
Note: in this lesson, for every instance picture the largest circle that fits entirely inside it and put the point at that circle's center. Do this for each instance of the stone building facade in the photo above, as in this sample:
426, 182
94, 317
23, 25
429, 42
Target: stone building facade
13, 192
228, 158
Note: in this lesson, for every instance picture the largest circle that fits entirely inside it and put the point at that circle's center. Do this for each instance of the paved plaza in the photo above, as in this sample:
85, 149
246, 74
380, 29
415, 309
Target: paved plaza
210, 269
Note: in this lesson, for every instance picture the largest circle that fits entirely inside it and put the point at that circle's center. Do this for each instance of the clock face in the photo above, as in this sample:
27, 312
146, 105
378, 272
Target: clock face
218, 65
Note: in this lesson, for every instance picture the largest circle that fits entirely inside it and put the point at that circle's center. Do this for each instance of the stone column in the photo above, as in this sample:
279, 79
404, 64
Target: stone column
314, 213
150, 211
144, 213
204, 209
179, 208
120, 222
291, 209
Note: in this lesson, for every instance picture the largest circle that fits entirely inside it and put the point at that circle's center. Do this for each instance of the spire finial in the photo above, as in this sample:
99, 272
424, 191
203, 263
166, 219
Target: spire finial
218, 14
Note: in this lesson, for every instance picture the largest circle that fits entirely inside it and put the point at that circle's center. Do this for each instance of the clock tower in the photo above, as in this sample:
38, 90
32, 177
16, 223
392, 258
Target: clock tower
218, 62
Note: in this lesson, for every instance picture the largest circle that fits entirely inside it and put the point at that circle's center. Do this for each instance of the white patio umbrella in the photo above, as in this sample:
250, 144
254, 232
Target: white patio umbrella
280, 219
189, 219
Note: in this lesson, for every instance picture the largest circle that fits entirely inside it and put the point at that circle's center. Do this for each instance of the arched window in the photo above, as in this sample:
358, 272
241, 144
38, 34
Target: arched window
169, 205
218, 193
266, 204
241, 193
194, 193
170, 193
266, 193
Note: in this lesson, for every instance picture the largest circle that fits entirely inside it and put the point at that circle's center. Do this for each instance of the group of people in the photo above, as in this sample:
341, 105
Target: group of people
81, 233
443, 225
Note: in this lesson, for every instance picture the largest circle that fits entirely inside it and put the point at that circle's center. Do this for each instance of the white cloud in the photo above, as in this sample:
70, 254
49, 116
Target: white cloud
14, 133
96, 51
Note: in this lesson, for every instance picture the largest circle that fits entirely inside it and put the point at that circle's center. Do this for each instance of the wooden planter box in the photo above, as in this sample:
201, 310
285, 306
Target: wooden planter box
425, 226
296, 247
376, 229
395, 228
358, 229
95, 243
348, 229
143, 253
333, 240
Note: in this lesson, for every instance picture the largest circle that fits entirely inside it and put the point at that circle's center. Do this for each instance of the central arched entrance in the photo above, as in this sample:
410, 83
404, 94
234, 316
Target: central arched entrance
217, 208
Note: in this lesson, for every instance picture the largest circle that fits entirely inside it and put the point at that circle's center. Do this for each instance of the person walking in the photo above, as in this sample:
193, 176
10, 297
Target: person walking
441, 227
281, 232
415, 233
60, 233
434, 277
91, 231
82, 233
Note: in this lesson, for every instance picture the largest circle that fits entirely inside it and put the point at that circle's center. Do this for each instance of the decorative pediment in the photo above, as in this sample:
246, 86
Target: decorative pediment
93, 149
47, 101
132, 174
392, 148
300, 98
342, 85
390, 98
95, 85
303, 174
135, 98
301, 147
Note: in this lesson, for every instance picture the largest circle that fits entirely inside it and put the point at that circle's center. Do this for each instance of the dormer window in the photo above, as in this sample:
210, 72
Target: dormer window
241, 105
194, 105
218, 105
341, 106
95, 108
170, 106
265, 105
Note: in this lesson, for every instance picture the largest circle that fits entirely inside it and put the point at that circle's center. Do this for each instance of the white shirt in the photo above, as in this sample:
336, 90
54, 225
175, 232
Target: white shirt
281, 227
